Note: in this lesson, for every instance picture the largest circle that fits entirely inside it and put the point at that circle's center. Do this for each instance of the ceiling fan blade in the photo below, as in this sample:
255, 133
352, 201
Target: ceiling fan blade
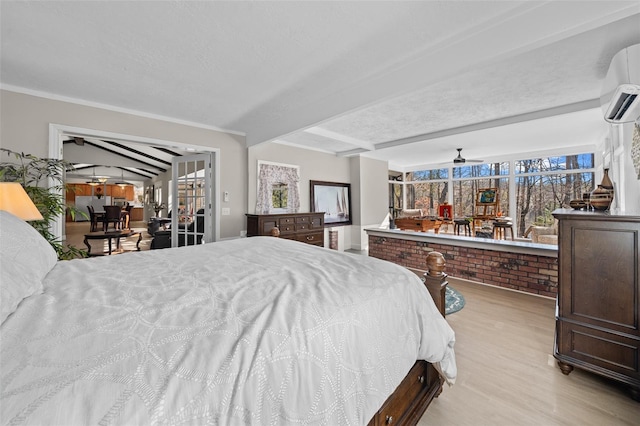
461, 160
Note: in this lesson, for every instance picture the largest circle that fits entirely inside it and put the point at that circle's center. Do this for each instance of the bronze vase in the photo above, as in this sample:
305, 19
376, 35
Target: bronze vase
602, 196
606, 182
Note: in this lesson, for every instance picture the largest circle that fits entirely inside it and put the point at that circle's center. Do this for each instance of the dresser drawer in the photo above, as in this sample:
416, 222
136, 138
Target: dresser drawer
399, 408
315, 238
287, 225
316, 222
303, 220
596, 347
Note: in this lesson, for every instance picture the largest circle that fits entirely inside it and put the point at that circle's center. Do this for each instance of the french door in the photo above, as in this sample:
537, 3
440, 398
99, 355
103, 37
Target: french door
192, 213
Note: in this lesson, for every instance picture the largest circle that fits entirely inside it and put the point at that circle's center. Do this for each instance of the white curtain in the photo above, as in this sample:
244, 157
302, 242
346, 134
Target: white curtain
270, 174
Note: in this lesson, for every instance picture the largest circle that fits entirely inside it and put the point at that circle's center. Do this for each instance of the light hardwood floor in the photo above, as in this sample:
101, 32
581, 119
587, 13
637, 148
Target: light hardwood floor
507, 374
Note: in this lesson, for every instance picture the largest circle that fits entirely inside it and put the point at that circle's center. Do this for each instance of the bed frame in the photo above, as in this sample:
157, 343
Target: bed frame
407, 404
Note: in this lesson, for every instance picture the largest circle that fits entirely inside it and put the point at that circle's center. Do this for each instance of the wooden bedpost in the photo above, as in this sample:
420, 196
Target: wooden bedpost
434, 278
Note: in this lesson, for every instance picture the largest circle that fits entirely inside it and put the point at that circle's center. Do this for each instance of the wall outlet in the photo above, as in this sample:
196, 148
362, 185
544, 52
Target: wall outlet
225, 196
243, 233
226, 211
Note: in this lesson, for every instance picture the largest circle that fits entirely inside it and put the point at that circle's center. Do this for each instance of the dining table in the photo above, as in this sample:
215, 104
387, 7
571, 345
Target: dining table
125, 219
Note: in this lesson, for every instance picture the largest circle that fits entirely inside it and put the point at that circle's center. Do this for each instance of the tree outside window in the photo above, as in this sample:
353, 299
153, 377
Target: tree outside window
541, 185
545, 184
279, 195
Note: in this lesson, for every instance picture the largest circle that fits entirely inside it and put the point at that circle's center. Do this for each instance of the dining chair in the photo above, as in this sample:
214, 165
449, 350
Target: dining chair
95, 218
125, 216
112, 214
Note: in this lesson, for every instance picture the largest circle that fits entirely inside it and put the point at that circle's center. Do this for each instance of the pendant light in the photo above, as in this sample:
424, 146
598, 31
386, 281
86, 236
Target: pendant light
122, 184
96, 180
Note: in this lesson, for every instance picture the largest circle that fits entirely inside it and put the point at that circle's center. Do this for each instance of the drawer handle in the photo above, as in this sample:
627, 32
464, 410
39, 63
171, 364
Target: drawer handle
389, 420
421, 379
310, 237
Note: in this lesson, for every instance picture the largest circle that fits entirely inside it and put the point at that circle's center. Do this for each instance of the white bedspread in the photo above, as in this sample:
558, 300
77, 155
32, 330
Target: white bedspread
249, 331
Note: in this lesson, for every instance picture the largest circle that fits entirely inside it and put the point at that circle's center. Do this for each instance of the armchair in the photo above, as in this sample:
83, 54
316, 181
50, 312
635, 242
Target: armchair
193, 232
190, 235
543, 234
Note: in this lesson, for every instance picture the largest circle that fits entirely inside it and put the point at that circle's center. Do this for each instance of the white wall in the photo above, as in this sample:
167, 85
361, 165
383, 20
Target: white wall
25, 128
618, 158
313, 165
370, 199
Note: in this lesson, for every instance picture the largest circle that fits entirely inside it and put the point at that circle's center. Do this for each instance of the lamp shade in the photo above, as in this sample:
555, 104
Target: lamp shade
14, 199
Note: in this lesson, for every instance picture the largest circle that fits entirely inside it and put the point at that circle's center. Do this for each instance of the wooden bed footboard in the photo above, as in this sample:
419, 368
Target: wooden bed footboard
407, 404
410, 400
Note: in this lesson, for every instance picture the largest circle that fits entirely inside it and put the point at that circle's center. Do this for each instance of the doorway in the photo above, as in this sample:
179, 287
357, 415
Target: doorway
190, 200
58, 134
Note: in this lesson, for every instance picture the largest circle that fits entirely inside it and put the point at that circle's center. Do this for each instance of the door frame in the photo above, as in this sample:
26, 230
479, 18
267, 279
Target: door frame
58, 132
209, 212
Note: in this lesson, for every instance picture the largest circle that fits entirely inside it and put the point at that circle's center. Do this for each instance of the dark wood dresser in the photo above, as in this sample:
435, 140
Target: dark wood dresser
305, 227
598, 305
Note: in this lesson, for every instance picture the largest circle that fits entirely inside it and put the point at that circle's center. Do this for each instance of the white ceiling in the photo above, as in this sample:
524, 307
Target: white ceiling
407, 82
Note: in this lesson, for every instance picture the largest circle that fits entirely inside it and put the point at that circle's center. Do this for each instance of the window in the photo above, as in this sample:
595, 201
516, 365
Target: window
465, 191
279, 195
427, 174
545, 184
427, 196
481, 170
539, 186
395, 193
427, 190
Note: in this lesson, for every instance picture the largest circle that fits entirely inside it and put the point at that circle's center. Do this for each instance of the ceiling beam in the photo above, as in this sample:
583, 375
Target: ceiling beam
520, 118
125, 156
167, 151
340, 137
135, 151
476, 46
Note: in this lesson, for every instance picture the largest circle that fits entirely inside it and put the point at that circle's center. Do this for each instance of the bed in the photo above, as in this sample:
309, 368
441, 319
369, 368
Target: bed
249, 331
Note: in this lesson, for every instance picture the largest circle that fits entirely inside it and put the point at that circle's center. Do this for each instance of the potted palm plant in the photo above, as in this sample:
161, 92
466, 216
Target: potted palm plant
43, 180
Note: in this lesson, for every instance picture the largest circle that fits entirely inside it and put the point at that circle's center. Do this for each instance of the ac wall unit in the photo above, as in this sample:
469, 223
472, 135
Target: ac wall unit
625, 104
620, 97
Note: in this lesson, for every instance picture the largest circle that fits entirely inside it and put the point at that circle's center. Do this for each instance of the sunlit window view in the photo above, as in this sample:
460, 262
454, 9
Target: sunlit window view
279, 195
540, 185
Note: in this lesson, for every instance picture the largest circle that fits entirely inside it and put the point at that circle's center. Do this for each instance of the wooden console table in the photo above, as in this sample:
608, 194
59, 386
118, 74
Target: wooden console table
110, 236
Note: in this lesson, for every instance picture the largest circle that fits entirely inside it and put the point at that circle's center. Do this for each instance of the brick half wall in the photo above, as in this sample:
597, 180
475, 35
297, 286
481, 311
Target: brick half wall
528, 273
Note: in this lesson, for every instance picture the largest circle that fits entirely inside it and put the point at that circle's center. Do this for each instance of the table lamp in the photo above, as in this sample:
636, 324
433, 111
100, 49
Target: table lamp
14, 199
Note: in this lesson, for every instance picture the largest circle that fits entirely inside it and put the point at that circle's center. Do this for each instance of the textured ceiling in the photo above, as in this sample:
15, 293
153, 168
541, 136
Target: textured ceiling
401, 81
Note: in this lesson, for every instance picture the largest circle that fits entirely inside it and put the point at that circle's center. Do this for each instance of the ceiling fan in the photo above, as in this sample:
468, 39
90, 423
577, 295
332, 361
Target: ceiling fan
461, 160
